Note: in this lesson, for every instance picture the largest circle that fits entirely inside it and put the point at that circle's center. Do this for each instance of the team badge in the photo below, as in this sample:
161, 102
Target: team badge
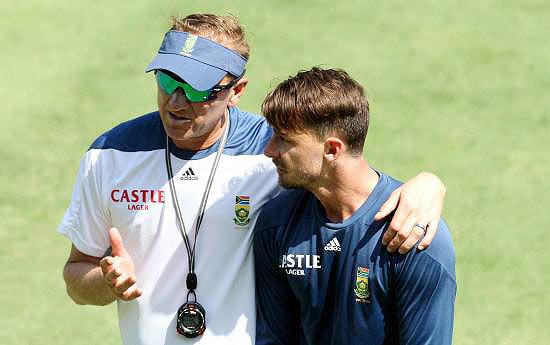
189, 45
242, 210
361, 290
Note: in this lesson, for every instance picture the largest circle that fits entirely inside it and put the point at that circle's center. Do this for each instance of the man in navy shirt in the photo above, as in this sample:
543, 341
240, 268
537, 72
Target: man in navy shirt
322, 273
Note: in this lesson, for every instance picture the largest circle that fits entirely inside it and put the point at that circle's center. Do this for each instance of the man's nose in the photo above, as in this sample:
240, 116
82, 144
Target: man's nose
178, 100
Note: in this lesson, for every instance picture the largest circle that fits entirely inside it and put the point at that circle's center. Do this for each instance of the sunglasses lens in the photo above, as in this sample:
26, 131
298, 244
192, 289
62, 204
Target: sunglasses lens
195, 95
166, 83
169, 85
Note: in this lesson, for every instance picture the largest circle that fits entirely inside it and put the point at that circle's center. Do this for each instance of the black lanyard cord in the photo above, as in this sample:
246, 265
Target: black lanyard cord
191, 277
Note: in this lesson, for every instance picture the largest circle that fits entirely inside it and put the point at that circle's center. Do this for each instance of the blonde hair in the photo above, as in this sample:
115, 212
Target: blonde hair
225, 30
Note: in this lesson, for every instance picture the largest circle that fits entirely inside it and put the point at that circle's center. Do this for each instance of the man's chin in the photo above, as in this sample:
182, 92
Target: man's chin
288, 184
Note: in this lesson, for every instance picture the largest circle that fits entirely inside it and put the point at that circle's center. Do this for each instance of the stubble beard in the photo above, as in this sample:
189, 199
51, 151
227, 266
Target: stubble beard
299, 179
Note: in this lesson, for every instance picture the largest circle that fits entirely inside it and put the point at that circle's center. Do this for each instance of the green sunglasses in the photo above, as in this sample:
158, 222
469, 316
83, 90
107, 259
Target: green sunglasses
169, 84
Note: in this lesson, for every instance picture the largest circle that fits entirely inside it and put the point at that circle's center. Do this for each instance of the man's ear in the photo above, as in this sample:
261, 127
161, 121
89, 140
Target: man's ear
333, 148
238, 91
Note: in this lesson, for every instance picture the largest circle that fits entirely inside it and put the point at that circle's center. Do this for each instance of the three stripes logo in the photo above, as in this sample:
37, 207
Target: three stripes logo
189, 175
333, 246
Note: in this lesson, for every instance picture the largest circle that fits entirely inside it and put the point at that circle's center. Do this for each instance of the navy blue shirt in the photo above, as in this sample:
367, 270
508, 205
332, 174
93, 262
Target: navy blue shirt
319, 282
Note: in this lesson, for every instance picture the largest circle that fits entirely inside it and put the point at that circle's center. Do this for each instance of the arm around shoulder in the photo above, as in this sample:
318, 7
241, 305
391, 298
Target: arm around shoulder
417, 202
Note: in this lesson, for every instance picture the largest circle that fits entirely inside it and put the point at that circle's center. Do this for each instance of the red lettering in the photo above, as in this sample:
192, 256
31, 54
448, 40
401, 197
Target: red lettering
124, 196
135, 196
113, 197
144, 195
161, 196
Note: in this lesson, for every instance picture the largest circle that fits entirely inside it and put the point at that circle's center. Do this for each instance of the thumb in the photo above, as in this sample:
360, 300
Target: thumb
117, 247
389, 205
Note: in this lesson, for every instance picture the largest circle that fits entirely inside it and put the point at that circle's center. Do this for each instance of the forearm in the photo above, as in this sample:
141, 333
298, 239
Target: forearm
85, 284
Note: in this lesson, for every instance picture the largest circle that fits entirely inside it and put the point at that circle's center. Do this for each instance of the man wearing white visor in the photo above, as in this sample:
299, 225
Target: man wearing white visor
162, 212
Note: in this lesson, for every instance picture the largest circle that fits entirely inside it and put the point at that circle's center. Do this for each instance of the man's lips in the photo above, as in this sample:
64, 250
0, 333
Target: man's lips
178, 118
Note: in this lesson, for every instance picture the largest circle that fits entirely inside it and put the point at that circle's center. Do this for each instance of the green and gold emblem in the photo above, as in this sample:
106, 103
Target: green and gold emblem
242, 210
361, 290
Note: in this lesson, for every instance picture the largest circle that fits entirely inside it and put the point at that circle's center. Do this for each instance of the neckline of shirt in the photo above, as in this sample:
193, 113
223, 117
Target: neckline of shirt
367, 210
199, 154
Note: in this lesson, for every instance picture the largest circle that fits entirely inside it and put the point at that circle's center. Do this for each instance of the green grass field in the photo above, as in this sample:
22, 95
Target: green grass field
459, 88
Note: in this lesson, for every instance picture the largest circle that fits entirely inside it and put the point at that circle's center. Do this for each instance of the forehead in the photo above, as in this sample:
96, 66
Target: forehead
297, 137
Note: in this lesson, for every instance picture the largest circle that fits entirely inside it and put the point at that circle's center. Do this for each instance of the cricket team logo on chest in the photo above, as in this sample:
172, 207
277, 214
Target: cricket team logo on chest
242, 210
361, 290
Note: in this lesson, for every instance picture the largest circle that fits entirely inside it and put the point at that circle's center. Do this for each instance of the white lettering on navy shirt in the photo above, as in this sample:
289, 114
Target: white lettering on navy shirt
295, 264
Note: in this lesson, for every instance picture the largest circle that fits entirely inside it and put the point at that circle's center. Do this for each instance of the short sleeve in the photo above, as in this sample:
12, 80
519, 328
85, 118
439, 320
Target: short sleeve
425, 292
86, 221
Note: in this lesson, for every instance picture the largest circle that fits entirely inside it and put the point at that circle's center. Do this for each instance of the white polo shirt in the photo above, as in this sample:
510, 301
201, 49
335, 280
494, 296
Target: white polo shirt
122, 182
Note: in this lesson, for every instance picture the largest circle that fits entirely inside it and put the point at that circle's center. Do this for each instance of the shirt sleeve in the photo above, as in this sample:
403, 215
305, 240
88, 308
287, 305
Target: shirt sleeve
425, 293
86, 221
277, 310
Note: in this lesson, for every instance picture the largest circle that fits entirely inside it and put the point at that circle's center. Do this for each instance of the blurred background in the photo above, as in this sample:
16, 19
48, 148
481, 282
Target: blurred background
459, 88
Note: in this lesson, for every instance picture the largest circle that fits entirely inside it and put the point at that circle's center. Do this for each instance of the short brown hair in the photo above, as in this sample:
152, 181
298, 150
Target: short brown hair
322, 101
225, 30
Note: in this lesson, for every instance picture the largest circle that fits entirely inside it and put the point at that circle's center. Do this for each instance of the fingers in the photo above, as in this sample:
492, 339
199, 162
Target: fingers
396, 224
418, 201
124, 287
388, 235
389, 205
107, 264
415, 235
117, 248
121, 282
132, 293
110, 268
430, 234
111, 274
402, 232
118, 269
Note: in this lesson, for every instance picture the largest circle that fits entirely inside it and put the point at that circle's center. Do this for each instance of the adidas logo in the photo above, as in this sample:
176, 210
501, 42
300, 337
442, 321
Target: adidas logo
189, 174
333, 245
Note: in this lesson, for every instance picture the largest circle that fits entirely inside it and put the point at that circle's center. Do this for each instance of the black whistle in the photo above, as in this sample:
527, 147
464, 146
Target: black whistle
191, 281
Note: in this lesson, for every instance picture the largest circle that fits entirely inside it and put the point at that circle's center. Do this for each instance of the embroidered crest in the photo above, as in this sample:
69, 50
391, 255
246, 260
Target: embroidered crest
242, 210
361, 290
188, 45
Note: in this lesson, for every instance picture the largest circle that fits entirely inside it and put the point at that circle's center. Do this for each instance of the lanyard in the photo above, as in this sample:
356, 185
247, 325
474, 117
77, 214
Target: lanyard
191, 280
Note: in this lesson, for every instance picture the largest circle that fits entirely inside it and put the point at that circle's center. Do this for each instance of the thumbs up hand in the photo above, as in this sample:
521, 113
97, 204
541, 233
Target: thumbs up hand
118, 269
